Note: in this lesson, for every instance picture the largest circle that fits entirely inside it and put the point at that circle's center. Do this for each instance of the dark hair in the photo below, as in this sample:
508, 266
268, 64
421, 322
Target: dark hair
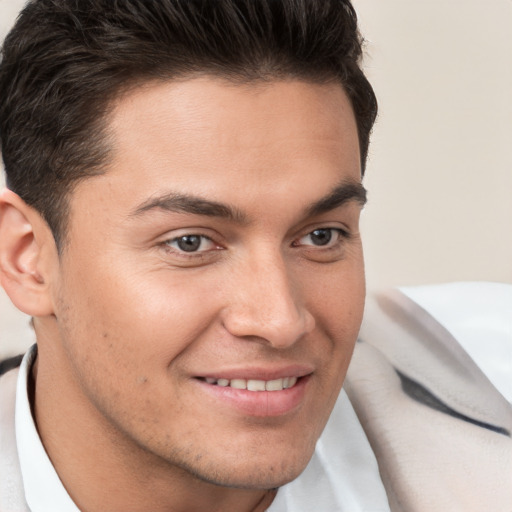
65, 61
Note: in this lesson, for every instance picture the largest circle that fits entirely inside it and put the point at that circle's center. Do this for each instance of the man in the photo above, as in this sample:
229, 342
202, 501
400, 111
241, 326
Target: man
181, 222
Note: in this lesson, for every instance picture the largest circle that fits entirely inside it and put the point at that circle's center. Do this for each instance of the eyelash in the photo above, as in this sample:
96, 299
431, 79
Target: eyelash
331, 244
341, 234
189, 254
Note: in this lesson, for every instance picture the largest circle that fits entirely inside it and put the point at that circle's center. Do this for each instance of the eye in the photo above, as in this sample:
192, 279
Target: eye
324, 237
191, 243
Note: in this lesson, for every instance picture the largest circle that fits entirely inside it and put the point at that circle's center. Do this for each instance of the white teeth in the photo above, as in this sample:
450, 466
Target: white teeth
274, 385
254, 384
291, 382
238, 383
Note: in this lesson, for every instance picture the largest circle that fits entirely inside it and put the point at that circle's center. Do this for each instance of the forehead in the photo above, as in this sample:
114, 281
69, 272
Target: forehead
214, 102
201, 135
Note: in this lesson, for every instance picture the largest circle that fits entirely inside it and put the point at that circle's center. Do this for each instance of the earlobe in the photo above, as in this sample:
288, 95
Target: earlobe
24, 271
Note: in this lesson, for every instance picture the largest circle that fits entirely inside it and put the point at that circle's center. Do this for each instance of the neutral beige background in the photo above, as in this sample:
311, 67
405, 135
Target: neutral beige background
440, 170
440, 175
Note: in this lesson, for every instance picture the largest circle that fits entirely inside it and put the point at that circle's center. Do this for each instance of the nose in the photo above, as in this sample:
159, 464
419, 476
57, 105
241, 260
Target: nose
265, 305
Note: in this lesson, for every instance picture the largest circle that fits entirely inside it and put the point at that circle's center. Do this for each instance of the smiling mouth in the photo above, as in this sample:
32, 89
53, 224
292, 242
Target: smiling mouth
253, 384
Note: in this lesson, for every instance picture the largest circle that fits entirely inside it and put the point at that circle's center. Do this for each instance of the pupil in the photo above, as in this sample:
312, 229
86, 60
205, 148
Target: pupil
321, 236
189, 243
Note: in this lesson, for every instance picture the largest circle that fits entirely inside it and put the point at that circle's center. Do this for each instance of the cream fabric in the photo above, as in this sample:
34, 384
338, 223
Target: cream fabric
429, 460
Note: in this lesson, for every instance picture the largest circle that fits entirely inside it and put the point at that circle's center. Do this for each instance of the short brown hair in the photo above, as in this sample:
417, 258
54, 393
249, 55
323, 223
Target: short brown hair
65, 61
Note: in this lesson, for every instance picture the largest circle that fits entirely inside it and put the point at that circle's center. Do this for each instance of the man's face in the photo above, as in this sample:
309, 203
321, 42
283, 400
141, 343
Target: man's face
219, 251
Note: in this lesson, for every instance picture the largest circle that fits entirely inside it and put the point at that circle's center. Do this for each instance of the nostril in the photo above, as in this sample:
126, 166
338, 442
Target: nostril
280, 327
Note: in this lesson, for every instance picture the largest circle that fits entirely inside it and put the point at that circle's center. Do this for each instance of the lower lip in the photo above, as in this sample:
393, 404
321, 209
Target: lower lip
259, 403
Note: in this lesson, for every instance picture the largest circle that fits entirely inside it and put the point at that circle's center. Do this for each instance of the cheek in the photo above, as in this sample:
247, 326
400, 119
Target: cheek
121, 335
337, 303
336, 297
139, 319
168, 311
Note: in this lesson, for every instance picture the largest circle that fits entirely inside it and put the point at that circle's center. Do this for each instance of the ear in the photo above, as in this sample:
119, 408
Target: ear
27, 249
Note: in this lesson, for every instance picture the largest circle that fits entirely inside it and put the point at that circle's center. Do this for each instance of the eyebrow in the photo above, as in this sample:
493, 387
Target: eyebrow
342, 194
184, 203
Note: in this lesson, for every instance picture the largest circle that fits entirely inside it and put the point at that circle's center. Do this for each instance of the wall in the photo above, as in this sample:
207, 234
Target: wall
440, 173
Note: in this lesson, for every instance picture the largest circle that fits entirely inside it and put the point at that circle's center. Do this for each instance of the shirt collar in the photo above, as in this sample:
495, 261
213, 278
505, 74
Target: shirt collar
356, 474
43, 489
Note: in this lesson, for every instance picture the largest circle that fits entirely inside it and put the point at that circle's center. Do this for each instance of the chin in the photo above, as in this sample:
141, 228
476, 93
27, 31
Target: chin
255, 473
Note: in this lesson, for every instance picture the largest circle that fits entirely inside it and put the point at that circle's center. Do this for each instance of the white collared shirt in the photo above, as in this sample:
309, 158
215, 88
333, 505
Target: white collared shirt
348, 482
44, 491
358, 486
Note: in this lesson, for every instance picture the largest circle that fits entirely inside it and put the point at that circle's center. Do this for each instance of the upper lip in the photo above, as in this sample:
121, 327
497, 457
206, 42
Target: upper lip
259, 373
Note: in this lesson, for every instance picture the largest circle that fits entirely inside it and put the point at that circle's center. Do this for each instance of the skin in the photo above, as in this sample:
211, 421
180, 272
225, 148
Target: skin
127, 321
